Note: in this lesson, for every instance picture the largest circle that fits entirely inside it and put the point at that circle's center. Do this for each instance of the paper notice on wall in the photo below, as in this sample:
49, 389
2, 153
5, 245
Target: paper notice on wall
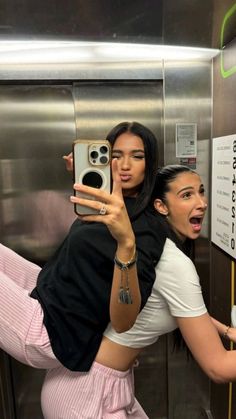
186, 140
223, 217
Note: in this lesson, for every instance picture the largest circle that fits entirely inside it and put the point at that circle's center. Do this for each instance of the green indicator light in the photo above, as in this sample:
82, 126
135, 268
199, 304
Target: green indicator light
232, 70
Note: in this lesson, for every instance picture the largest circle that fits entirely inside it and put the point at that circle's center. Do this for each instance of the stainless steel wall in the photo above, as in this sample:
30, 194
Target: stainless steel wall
102, 104
37, 127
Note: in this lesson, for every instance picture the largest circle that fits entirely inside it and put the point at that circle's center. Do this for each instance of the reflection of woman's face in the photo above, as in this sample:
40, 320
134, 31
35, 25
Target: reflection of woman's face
185, 205
129, 151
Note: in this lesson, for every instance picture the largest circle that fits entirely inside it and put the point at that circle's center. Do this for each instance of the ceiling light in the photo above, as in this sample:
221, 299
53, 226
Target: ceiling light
55, 52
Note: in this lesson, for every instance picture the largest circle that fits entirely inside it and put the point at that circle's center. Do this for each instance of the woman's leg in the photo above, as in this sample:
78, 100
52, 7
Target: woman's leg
20, 270
22, 332
101, 393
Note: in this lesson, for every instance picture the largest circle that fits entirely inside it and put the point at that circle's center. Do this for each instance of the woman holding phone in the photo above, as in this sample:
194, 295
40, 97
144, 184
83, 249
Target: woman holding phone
57, 315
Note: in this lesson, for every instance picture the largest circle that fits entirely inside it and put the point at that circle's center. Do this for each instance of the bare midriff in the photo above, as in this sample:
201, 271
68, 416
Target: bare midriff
116, 356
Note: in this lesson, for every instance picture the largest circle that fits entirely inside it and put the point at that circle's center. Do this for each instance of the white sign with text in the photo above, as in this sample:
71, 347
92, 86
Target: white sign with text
223, 217
186, 140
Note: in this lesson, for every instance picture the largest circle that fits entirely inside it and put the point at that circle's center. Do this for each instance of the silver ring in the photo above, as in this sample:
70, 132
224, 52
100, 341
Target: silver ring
103, 210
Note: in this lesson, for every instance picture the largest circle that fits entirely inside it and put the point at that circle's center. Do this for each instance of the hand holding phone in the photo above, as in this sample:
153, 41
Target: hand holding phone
91, 159
115, 217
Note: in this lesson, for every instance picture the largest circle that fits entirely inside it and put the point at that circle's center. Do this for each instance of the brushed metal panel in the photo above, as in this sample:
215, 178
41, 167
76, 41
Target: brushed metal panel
37, 128
187, 99
75, 71
101, 105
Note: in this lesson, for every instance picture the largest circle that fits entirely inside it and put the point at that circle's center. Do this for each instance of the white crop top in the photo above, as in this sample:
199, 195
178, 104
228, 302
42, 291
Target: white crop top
176, 293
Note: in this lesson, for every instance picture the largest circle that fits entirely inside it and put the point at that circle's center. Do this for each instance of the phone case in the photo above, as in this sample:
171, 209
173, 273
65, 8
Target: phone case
92, 168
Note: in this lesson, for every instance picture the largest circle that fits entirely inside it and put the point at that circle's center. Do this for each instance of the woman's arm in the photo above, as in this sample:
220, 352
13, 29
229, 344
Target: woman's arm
206, 346
225, 331
124, 315
117, 220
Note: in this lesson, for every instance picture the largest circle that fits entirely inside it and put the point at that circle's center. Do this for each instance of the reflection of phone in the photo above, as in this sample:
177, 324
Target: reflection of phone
92, 168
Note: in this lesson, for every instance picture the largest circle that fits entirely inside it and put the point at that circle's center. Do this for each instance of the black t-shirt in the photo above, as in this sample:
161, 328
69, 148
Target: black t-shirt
74, 287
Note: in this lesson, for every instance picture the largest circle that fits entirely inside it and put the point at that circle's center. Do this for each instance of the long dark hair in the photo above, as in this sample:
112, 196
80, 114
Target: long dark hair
164, 177
151, 159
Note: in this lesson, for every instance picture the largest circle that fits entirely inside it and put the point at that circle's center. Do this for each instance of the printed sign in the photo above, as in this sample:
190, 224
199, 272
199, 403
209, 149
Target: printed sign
223, 224
186, 140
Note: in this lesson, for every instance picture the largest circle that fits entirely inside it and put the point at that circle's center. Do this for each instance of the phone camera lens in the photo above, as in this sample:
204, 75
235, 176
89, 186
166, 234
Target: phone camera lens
103, 149
103, 160
94, 155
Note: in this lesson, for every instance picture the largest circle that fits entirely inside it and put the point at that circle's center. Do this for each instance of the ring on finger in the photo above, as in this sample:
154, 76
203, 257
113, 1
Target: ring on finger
103, 210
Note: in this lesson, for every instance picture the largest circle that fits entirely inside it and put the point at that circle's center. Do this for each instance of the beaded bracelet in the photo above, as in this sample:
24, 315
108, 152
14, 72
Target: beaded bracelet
124, 292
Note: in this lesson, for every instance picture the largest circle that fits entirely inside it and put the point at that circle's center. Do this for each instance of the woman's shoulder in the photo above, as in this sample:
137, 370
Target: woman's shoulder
175, 262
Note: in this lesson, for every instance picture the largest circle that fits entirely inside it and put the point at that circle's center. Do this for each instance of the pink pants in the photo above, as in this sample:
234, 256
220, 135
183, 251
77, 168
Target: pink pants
22, 332
101, 393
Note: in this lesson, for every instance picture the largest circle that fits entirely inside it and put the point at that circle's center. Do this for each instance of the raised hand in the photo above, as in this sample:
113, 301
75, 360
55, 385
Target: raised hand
111, 208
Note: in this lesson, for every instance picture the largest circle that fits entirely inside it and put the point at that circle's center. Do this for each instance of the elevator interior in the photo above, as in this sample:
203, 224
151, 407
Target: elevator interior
39, 125
44, 107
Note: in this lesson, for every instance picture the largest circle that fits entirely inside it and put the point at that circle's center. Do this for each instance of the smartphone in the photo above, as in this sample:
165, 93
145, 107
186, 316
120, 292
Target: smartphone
92, 167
